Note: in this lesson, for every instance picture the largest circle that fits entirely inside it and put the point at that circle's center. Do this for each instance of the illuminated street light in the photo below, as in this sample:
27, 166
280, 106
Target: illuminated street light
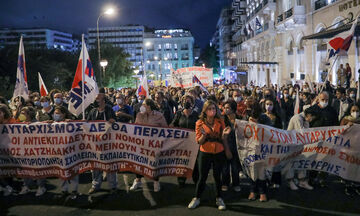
103, 64
108, 12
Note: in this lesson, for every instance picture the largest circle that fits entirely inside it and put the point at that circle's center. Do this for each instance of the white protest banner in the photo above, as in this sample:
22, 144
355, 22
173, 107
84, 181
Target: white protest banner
335, 150
183, 77
65, 149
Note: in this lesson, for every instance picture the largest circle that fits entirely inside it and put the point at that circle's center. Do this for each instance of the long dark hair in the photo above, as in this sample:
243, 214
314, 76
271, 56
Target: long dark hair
205, 107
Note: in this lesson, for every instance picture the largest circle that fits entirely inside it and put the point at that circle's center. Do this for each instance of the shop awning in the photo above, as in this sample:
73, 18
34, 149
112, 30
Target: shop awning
258, 62
332, 32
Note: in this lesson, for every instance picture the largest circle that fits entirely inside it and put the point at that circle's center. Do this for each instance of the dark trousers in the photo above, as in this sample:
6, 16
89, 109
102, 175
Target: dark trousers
205, 160
234, 165
258, 186
276, 178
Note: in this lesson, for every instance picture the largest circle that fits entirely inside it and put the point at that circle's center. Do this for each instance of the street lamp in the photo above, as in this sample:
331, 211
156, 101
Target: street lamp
108, 12
103, 64
136, 71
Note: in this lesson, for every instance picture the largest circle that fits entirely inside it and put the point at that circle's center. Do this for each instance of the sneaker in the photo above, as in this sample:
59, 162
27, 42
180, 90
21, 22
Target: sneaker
157, 186
40, 191
237, 188
92, 190
263, 198
252, 196
224, 188
8, 190
136, 184
24, 190
74, 195
195, 202
293, 186
220, 203
305, 185
242, 175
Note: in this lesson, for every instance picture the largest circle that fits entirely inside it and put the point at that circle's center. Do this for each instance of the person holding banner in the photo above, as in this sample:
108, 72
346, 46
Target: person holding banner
297, 122
102, 111
149, 115
27, 115
5, 118
211, 135
352, 116
186, 118
60, 113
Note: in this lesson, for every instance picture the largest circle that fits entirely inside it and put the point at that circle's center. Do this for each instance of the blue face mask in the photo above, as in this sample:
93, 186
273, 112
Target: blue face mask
45, 104
57, 100
57, 117
37, 103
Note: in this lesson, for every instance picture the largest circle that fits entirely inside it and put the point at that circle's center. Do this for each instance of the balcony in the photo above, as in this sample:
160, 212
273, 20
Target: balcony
322, 3
290, 19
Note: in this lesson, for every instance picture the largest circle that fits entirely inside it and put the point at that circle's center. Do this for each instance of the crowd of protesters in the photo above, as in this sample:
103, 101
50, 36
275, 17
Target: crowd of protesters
212, 116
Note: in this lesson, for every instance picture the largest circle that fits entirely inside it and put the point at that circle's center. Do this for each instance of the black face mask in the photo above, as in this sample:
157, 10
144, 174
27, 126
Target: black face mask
187, 105
96, 104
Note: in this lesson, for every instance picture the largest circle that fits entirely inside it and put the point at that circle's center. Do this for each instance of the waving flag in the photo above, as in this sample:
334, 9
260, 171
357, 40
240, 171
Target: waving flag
84, 88
143, 87
340, 44
258, 22
42, 87
197, 81
297, 103
21, 86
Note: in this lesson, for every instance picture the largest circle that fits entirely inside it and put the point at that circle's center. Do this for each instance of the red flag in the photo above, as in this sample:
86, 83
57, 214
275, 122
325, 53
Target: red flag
42, 87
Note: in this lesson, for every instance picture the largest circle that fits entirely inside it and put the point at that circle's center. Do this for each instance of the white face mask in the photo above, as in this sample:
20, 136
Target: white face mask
119, 101
352, 95
323, 104
355, 114
237, 99
142, 109
268, 107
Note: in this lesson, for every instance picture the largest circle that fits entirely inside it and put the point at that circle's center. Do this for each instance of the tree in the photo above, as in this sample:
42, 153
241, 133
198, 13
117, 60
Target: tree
119, 71
209, 57
56, 67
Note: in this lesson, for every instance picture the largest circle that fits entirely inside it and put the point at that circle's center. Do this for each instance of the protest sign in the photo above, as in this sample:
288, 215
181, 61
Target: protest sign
66, 149
183, 77
334, 150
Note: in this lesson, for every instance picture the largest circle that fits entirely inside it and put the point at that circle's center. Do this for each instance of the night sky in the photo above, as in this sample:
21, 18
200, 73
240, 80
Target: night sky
75, 16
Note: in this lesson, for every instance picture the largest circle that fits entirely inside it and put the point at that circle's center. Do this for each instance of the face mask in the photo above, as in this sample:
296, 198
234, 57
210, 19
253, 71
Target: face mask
57, 117
22, 117
257, 91
187, 105
323, 104
211, 113
142, 109
286, 95
119, 101
237, 99
37, 103
65, 101
57, 100
133, 100
45, 104
294, 97
355, 114
141, 101
269, 107
352, 95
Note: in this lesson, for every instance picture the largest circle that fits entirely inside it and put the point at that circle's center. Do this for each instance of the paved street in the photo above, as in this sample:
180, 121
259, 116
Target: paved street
173, 201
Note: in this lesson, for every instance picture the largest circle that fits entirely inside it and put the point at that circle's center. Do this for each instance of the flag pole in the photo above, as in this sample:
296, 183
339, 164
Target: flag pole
83, 77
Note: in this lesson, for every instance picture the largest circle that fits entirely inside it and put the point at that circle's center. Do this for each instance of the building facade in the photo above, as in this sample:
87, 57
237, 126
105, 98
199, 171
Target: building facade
37, 38
275, 44
166, 49
128, 37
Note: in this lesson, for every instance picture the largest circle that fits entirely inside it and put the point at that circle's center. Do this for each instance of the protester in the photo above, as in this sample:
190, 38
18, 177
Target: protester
211, 135
232, 164
186, 118
102, 111
149, 115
